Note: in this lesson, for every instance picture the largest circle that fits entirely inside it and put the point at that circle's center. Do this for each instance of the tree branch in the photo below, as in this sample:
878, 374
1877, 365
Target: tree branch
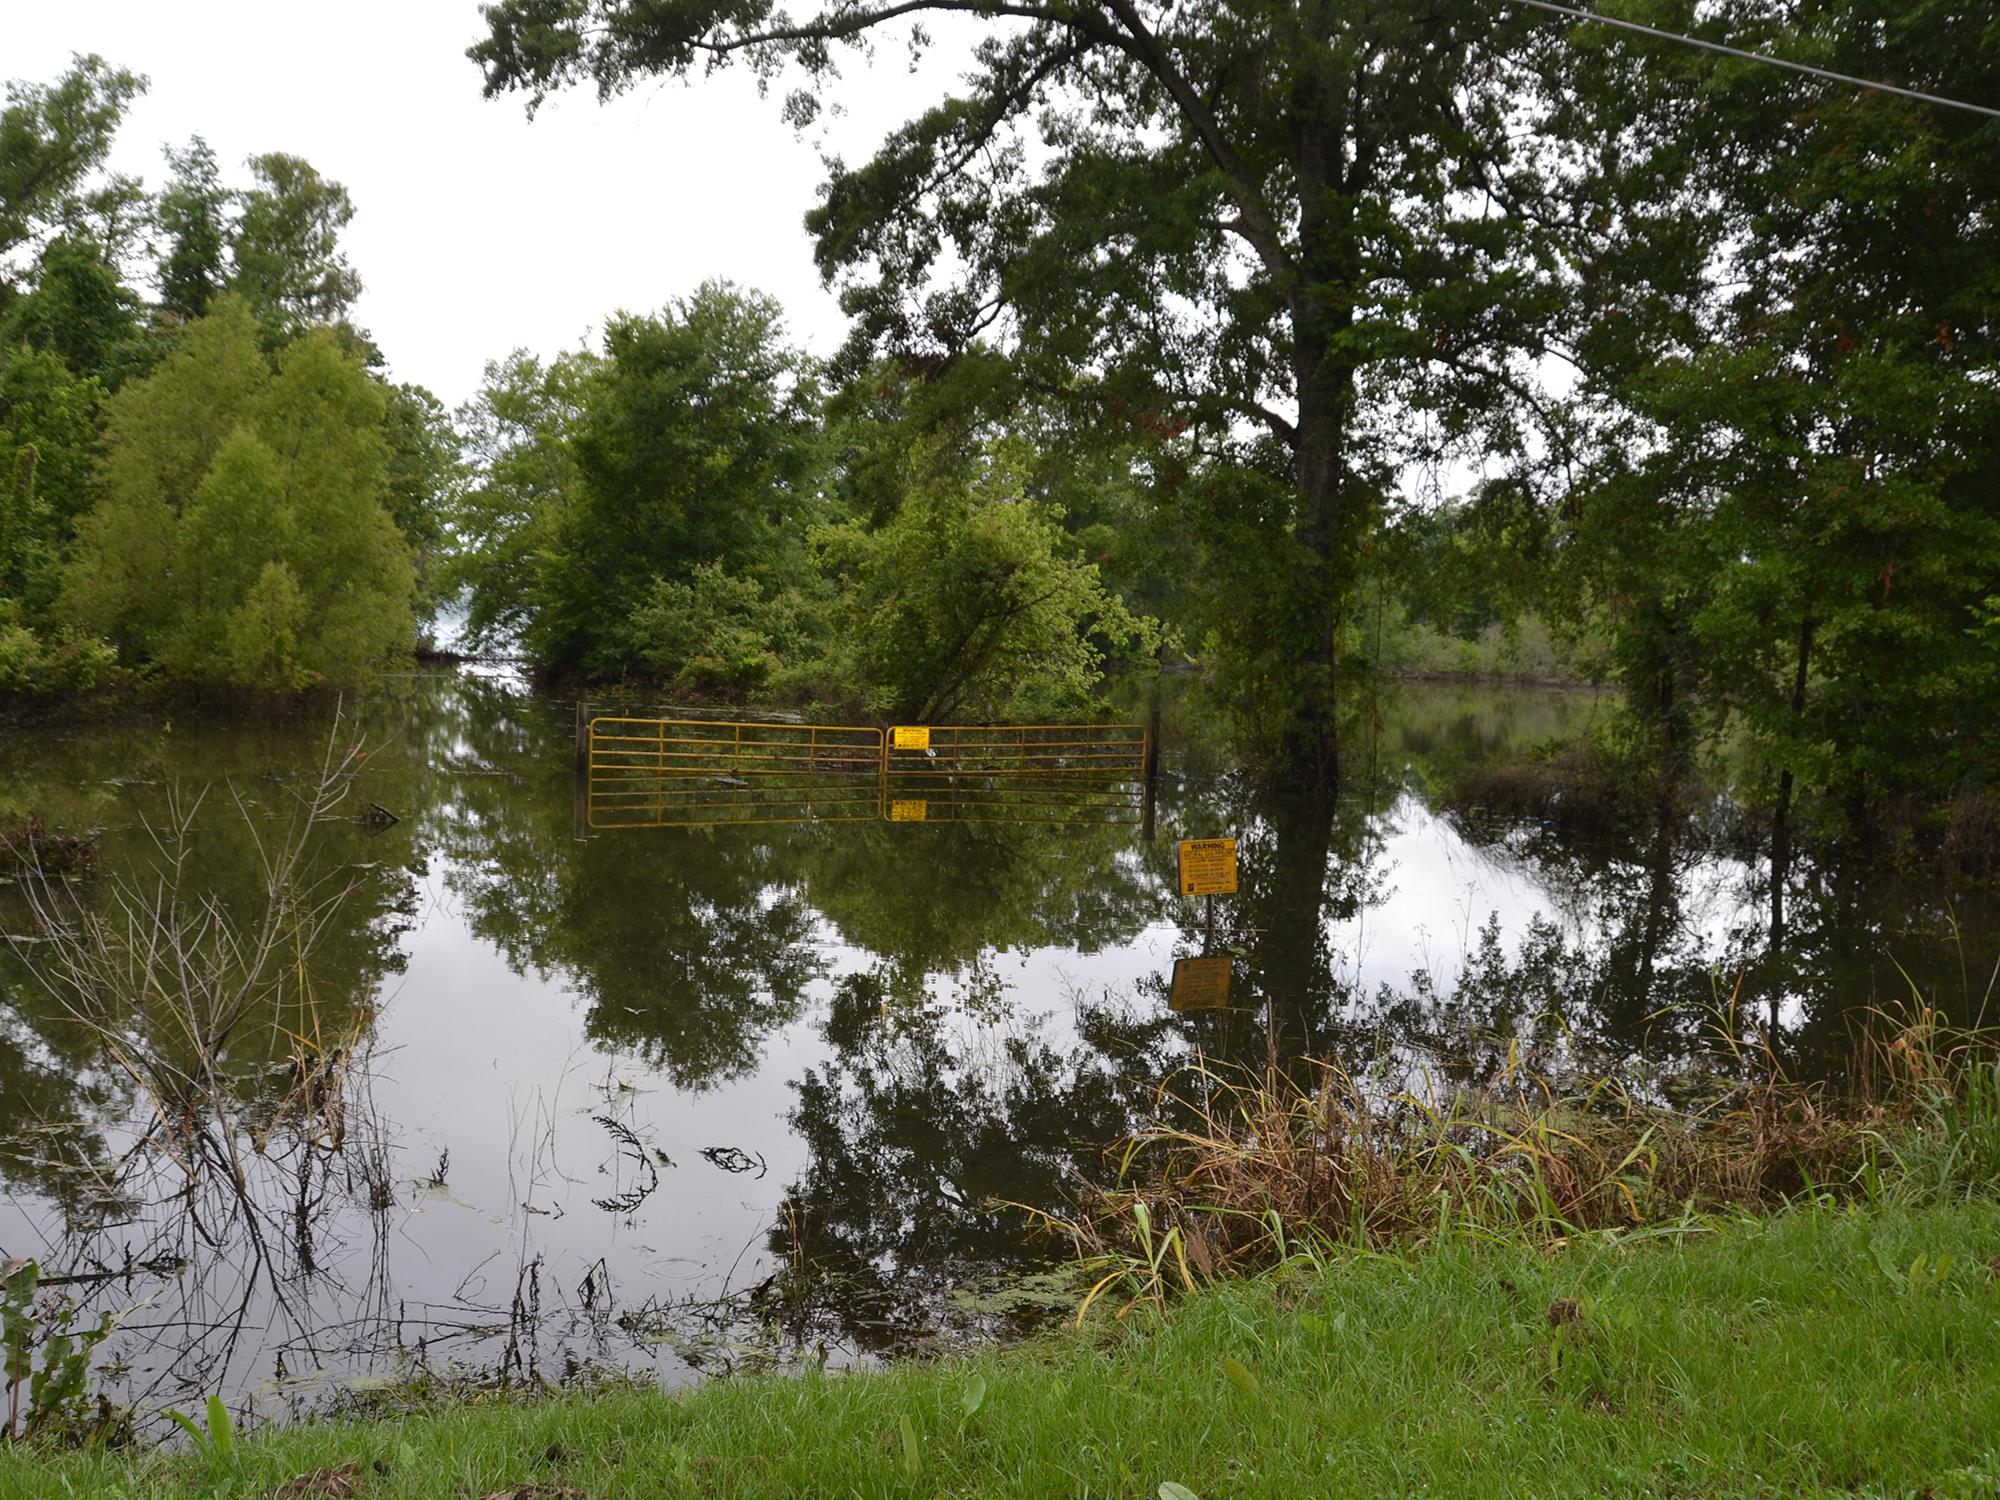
1142, 46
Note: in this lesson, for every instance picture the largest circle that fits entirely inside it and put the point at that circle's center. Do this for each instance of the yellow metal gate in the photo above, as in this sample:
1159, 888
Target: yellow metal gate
657, 773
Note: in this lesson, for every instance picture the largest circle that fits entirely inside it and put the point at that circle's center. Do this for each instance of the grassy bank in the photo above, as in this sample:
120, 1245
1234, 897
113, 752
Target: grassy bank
1820, 1351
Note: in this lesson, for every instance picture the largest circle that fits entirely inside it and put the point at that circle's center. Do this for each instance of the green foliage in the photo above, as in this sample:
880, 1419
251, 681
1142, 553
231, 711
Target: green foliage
507, 522
58, 1386
64, 662
674, 505
193, 217
716, 632
48, 442
610, 483
146, 521
217, 1446
80, 310
1765, 501
1957, 1155
53, 137
969, 602
1267, 243
696, 446
49, 422
260, 644
1787, 529
285, 245
426, 469
275, 243
242, 534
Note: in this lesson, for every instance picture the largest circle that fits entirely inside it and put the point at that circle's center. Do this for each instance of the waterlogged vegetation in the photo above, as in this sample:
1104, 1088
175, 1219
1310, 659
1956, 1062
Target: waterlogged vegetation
1604, 1097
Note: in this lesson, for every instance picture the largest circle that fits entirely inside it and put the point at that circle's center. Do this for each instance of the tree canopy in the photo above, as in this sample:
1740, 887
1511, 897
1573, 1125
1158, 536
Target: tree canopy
124, 388
1278, 230
1703, 349
241, 534
53, 139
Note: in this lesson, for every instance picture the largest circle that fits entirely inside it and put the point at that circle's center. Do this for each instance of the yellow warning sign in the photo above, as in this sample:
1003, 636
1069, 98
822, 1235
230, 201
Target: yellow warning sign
1208, 867
1202, 983
910, 737
909, 810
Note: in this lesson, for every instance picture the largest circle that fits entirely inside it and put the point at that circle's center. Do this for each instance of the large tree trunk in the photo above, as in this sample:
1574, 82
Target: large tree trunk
1311, 743
1329, 505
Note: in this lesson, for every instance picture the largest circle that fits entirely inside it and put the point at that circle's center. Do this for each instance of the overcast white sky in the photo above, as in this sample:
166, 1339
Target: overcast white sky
477, 232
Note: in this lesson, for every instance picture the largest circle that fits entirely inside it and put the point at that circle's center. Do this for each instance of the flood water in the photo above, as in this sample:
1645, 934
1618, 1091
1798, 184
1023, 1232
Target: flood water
549, 1097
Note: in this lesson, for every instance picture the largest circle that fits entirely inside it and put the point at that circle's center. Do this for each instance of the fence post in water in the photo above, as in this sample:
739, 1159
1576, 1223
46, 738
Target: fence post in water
579, 813
1151, 773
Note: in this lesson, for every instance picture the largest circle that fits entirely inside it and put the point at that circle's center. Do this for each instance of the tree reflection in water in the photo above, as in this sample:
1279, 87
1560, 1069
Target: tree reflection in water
921, 1029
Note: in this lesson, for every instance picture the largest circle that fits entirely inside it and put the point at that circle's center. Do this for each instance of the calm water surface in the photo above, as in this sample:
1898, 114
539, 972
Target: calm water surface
676, 1099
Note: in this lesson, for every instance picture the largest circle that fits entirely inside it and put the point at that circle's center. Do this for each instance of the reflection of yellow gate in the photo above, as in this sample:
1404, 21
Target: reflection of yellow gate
1014, 799
654, 773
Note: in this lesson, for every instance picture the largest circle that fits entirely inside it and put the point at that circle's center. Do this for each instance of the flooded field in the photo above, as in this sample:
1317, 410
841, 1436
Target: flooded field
547, 1095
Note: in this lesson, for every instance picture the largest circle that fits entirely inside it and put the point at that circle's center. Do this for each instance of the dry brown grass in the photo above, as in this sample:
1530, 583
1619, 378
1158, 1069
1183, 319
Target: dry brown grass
1246, 1167
1324, 1155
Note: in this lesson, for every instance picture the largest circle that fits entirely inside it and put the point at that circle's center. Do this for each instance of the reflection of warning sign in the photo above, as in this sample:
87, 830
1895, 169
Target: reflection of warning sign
1208, 867
910, 737
909, 810
1202, 983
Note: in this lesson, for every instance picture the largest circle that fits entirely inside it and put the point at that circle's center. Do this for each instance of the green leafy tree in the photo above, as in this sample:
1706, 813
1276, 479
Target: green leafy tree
275, 242
53, 139
1101, 469
1787, 331
285, 244
162, 434
519, 442
194, 218
697, 446
49, 420
969, 601
1269, 228
717, 632
235, 521
325, 417
239, 499
80, 309
426, 469
691, 442
264, 635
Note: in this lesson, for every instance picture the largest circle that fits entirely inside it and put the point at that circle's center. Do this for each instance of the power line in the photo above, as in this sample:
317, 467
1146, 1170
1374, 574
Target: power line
1762, 57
